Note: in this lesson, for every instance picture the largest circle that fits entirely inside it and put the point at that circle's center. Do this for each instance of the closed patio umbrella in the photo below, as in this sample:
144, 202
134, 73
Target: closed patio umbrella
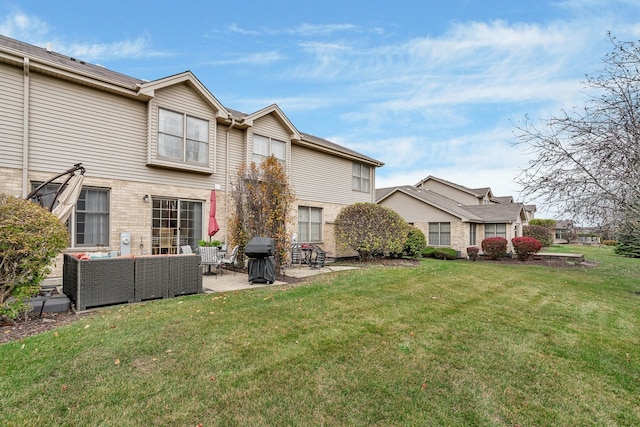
68, 198
213, 223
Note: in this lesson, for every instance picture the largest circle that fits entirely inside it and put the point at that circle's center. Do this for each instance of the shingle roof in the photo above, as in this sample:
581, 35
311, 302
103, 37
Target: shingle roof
492, 213
47, 56
97, 72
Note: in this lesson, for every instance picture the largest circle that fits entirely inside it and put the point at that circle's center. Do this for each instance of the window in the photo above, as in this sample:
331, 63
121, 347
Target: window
472, 234
264, 147
89, 222
361, 178
495, 230
309, 224
439, 233
175, 223
182, 137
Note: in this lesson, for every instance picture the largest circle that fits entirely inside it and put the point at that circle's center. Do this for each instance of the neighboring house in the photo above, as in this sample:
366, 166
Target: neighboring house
564, 232
154, 150
451, 215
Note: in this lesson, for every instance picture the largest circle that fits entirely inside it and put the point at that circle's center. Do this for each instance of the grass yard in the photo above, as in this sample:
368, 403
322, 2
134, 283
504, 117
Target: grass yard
448, 343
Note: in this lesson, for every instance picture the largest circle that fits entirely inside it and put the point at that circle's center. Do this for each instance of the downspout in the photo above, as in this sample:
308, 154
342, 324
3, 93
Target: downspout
25, 128
226, 175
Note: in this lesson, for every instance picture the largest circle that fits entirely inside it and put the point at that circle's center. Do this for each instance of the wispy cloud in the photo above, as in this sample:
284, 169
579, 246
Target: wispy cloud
36, 31
258, 58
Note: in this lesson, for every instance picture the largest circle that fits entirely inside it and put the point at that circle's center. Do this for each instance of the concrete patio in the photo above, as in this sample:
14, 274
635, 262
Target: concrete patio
234, 281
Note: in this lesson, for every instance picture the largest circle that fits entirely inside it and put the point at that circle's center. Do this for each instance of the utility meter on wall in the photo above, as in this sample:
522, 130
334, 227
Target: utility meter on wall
125, 243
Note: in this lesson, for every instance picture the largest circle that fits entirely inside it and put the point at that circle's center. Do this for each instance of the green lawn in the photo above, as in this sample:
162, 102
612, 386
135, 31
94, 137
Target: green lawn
447, 343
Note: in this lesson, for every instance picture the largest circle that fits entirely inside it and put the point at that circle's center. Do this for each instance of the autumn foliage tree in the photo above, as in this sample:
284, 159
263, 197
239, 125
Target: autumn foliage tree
30, 238
369, 228
262, 198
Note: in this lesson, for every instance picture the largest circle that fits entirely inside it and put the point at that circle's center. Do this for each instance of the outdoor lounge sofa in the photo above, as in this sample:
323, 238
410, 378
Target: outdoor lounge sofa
119, 280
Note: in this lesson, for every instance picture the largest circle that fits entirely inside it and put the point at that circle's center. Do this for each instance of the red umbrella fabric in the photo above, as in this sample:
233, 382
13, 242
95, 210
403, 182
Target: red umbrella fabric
213, 222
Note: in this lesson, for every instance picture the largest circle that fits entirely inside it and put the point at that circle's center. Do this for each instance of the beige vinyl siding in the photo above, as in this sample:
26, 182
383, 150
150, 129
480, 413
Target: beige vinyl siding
415, 211
324, 178
236, 153
452, 193
182, 99
11, 120
105, 132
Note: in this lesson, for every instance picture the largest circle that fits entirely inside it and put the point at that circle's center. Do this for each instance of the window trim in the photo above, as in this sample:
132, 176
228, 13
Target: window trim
270, 141
357, 179
495, 232
310, 223
155, 160
440, 234
72, 222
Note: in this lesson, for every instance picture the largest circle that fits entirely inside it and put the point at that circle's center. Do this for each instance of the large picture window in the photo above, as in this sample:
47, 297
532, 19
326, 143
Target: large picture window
182, 137
361, 180
264, 147
309, 224
439, 233
495, 230
89, 222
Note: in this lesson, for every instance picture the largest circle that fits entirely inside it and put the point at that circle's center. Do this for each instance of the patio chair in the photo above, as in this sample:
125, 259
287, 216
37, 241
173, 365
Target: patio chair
209, 258
318, 258
231, 261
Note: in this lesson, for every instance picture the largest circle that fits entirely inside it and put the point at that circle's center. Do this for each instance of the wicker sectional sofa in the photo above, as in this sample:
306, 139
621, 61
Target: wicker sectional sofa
120, 280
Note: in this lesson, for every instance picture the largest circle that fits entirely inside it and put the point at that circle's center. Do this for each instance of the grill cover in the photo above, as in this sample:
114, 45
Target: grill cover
260, 247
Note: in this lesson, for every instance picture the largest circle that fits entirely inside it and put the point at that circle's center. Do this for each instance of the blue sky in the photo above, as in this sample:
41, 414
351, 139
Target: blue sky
427, 87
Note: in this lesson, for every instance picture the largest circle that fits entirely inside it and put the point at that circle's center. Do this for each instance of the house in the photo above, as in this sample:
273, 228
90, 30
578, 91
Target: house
154, 151
451, 215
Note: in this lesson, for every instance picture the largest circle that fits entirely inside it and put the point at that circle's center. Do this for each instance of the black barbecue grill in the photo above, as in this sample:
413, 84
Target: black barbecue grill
262, 264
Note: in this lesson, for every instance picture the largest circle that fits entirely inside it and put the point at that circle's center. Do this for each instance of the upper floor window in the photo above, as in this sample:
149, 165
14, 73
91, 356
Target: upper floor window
264, 147
361, 180
182, 137
495, 230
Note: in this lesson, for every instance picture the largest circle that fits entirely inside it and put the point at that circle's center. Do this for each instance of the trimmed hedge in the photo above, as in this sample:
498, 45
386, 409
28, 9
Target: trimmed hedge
525, 247
440, 253
495, 247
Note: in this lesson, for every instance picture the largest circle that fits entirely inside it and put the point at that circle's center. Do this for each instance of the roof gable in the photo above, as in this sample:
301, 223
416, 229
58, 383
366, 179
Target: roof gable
275, 110
149, 88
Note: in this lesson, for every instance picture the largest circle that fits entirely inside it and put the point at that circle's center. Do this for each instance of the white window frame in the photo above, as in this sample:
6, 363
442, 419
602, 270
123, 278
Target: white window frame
310, 224
495, 230
436, 232
361, 177
102, 212
268, 146
186, 136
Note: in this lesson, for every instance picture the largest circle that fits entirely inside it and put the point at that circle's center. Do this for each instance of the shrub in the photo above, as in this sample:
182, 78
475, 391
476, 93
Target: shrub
472, 252
546, 223
495, 247
525, 247
609, 242
369, 228
428, 252
415, 243
628, 242
542, 234
445, 253
30, 238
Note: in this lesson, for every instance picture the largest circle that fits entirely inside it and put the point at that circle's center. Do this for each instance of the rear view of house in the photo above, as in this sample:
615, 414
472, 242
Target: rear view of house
154, 151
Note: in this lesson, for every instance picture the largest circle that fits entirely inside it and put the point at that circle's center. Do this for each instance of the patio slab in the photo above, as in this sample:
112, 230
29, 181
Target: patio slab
230, 281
